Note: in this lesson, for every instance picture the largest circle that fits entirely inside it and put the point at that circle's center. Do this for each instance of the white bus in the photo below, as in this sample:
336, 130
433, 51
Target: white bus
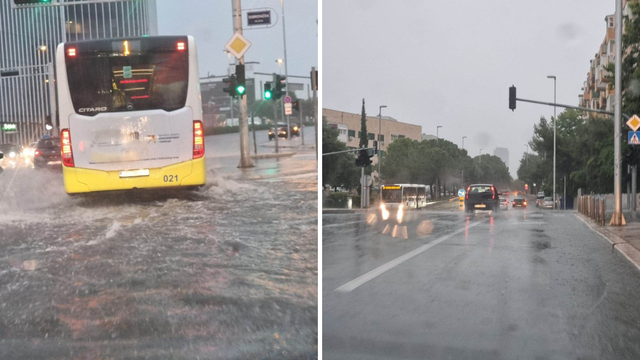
130, 114
396, 198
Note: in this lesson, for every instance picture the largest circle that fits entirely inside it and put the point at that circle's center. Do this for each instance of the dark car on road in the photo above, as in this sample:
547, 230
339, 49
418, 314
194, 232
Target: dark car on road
295, 130
282, 132
47, 154
481, 197
519, 202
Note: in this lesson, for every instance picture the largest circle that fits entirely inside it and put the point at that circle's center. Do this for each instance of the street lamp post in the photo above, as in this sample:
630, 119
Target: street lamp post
555, 123
464, 137
480, 156
438, 132
462, 173
379, 143
527, 155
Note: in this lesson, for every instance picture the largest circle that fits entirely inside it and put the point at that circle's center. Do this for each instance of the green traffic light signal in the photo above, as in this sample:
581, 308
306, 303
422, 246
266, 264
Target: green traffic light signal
267, 95
240, 90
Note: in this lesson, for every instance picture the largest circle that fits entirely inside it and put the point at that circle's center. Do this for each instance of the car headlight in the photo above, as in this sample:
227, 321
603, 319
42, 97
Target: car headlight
12, 154
385, 212
295, 128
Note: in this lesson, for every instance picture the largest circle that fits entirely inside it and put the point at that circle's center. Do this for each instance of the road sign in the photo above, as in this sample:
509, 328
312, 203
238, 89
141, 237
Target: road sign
9, 128
366, 181
288, 109
126, 72
634, 137
259, 18
461, 192
238, 45
287, 99
634, 123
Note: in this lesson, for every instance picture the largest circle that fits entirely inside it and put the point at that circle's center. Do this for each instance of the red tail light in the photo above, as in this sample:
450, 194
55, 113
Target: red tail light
67, 154
198, 139
525, 203
72, 51
493, 193
37, 153
467, 194
181, 46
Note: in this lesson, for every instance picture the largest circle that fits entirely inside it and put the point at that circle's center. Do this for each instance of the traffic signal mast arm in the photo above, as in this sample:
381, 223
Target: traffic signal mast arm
350, 150
563, 106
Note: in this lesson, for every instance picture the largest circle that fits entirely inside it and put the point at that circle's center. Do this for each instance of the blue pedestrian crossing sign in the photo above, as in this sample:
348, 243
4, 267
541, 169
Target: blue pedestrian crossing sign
634, 137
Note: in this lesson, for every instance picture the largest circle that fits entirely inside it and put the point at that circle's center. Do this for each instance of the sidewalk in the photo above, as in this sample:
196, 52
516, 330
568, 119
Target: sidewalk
625, 239
264, 168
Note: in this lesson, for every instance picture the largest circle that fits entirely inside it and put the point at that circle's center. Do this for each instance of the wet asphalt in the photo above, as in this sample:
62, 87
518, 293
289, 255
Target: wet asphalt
519, 284
225, 272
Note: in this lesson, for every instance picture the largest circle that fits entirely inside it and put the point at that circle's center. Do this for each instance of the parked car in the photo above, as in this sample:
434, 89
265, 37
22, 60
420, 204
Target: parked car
47, 154
547, 203
519, 202
481, 197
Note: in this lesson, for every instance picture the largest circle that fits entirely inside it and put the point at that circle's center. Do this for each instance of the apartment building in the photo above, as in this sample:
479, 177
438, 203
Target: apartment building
598, 91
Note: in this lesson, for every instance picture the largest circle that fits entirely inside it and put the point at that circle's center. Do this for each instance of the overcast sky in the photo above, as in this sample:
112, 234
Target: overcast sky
209, 21
451, 63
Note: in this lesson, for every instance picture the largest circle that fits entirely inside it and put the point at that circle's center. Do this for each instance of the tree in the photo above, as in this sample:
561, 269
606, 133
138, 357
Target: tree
364, 136
338, 170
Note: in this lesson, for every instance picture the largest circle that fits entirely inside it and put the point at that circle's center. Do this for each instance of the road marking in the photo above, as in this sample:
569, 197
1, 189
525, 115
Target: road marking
353, 284
349, 223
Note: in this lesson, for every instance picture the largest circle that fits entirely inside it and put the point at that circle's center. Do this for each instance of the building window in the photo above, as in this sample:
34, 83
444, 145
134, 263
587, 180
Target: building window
381, 137
371, 136
401, 136
352, 133
394, 137
359, 134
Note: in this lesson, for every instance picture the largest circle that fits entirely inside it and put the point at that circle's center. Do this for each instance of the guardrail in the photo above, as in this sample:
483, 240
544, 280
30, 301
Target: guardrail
594, 207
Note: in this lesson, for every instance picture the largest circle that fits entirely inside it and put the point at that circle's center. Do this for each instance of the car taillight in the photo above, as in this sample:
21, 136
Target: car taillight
525, 203
37, 153
65, 142
468, 189
198, 139
493, 193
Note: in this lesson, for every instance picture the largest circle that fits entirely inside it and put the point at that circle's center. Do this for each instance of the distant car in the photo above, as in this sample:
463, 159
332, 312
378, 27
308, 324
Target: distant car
295, 130
47, 154
548, 203
504, 202
12, 155
28, 152
519, 202
540, 200
481, 197
282, 132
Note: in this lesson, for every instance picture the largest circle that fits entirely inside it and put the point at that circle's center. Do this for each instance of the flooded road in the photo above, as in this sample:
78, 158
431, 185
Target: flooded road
225, 272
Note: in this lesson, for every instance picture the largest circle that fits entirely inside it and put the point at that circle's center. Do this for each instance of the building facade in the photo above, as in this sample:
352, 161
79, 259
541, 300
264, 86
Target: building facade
598, 90
28, 40
348, 126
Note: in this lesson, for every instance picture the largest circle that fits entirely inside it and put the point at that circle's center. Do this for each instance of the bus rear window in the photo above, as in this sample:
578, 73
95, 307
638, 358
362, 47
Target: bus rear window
101, 81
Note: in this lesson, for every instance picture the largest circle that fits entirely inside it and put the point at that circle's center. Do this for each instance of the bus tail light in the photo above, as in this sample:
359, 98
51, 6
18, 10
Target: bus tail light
71, 52
198, 139
181, 46
67, 154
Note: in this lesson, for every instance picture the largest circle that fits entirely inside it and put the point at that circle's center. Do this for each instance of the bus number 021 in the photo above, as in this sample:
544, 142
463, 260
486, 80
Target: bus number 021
170, 178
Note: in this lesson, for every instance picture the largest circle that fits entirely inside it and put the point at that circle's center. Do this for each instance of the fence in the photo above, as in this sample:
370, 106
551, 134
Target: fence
594, 207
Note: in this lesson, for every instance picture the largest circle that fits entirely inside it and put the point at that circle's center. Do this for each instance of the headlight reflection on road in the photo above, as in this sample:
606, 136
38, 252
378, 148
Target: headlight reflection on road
400, 213
424, 228
372, 219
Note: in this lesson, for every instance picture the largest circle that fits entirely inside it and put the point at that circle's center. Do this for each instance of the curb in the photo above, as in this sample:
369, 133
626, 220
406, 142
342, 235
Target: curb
273, 156
338, 211
632, 254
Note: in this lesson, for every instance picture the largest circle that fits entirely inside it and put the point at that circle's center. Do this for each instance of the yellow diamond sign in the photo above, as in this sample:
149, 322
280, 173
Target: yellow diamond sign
238, 45
634, 123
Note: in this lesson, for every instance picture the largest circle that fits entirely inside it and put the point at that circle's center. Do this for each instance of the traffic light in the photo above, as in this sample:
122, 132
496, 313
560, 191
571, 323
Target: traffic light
231, 84
314, 79
296, 105
280, 87
364, 159
512, 97
241, 85
267, 91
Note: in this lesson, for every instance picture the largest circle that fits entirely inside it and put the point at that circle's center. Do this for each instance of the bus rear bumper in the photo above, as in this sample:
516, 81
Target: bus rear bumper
188, 173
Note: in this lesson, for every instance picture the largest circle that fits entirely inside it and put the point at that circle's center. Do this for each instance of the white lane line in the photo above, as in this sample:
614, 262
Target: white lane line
353, 284
349, 223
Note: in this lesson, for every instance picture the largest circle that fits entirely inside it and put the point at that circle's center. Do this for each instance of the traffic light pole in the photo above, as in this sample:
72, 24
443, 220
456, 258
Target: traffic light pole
245, 154
618, 219
286, 67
